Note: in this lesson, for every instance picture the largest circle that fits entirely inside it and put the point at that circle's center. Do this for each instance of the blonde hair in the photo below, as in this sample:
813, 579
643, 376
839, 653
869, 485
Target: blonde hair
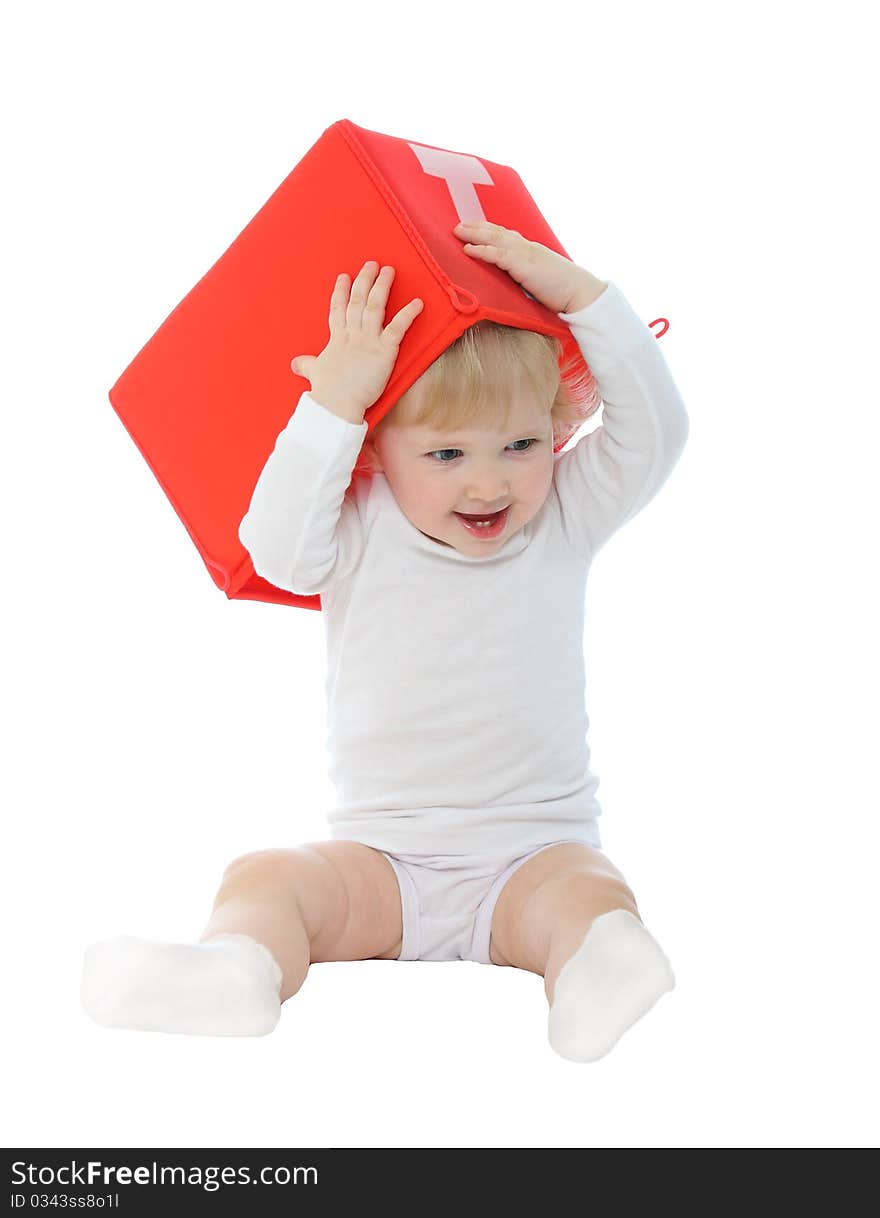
478, 377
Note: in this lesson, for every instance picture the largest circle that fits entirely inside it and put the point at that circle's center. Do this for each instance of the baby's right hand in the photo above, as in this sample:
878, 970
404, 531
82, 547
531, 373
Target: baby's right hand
352, 371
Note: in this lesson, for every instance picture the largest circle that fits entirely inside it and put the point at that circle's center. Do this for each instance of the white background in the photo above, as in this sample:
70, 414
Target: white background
718, 166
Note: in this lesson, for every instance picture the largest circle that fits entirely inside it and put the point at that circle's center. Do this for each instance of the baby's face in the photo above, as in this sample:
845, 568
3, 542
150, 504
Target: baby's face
434, 476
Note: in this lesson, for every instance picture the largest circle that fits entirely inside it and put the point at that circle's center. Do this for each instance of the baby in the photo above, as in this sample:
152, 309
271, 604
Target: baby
451, 566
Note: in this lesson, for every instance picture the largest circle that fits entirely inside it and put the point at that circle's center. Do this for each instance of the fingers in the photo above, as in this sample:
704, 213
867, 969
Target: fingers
491, 242
368, 299
369, 296
491, 253
485, 241
485, 230
339, 302
403, 319
362, 288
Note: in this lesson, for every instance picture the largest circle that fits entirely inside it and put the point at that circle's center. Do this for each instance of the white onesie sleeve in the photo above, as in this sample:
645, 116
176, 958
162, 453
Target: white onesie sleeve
614, 471
302, 532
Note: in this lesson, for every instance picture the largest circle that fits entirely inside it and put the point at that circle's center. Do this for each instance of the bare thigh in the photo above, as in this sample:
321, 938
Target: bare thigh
570, 880
350, 901
321, 901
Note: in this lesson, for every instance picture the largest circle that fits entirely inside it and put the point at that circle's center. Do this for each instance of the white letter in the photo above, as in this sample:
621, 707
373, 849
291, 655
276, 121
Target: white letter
459, 171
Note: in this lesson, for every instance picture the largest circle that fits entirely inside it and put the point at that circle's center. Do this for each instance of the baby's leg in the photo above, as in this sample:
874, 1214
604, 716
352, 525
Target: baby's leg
569, 914
276, 912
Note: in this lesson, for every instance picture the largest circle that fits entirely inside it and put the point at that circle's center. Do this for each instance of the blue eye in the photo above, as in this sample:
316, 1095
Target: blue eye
531, 442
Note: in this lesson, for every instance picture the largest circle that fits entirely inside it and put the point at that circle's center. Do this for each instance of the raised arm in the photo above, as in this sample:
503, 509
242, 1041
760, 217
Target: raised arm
301, 532
615, 470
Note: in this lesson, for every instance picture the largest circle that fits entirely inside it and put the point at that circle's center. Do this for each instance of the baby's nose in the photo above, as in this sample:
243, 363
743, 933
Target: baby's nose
488, 494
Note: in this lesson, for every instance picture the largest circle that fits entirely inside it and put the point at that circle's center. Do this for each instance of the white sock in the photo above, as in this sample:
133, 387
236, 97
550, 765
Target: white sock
227, 986
612, 980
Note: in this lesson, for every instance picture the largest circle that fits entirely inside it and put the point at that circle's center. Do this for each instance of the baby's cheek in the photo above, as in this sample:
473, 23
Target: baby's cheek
543, 482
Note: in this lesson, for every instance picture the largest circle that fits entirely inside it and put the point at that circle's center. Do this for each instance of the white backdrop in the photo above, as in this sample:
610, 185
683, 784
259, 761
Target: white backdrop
719, 170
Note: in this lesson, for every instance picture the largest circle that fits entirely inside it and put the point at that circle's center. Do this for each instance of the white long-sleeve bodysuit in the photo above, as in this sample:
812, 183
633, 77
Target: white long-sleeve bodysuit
455, 685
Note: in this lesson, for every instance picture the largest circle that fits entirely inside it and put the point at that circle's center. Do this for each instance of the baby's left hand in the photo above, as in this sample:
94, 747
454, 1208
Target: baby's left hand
552, 279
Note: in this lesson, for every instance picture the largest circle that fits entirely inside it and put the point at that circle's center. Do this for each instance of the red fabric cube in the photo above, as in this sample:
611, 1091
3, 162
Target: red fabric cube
205, 398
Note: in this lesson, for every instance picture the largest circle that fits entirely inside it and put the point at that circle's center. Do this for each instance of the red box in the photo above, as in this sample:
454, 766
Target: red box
205, 398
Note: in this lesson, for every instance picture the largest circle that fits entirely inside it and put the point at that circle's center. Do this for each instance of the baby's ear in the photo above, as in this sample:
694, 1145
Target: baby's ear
370, 454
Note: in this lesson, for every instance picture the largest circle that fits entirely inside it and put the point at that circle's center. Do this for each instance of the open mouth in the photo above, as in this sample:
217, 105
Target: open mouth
486, 527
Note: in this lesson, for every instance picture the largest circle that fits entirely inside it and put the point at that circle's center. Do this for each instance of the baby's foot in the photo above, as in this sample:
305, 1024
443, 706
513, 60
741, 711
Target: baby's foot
226, 986
612, 980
